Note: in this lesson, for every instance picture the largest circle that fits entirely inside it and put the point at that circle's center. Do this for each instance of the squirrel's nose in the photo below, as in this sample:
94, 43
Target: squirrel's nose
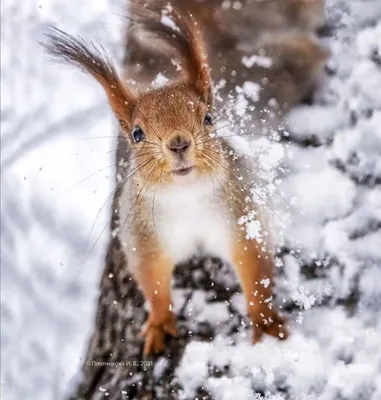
178, 144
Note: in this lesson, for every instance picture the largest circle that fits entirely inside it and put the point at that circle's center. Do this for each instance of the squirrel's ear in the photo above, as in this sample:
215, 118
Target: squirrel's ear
75, 51
181, 32
195, 58
202, 77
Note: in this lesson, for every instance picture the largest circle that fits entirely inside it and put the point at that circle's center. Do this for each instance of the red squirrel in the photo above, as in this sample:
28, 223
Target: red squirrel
185, 189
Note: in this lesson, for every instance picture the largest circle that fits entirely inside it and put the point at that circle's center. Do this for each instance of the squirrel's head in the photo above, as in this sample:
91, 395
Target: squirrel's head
173, 124
168, 130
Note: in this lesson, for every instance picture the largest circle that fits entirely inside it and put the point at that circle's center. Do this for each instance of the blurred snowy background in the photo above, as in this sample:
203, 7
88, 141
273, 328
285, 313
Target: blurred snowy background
57, 156
49, 117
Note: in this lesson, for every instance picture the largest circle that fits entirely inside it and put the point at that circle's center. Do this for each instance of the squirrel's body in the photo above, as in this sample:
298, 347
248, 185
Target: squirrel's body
185, 188
186, 220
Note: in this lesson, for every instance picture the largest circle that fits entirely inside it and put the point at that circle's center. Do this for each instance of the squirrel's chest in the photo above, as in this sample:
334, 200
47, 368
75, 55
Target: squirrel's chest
189, 224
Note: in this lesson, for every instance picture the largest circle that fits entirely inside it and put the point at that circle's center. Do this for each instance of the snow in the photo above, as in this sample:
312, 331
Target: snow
368, 43
57, 130
225, 389
160, 81
251, 90
167, 20
332, 230
320, 121
365, 142
254, 59
325, 185
298, 364
253, 226
302, 299
194, 368
53, 123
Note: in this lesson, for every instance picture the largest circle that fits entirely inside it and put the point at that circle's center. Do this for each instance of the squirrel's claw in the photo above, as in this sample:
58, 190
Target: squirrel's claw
154, 335
272, 323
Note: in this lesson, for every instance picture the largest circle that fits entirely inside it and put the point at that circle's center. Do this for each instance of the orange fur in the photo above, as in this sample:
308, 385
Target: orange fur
154, 277
95, 62
254, 267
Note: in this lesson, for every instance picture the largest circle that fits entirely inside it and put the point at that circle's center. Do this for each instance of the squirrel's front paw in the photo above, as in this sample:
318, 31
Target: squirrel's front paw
270, 322
154, 334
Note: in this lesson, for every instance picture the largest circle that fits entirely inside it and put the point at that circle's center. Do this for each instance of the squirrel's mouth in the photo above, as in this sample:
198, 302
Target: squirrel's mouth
182, 171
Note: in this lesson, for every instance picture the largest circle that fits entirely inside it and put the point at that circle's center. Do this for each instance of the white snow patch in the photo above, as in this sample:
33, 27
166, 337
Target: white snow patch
167, 20
253, 226
301, 298
251, 90
160, 81
193, 368
322, 195
317, 120
215, 314
254, 59
226, 388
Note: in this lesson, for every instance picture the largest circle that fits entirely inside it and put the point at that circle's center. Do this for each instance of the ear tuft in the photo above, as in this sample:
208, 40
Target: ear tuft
94, 61
182, 32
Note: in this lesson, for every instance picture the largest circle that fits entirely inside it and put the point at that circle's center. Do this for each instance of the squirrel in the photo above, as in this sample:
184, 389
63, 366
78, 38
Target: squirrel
185, 188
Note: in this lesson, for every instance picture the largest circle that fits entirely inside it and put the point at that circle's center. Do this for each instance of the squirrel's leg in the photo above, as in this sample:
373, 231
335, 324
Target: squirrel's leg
255, 271
154, 277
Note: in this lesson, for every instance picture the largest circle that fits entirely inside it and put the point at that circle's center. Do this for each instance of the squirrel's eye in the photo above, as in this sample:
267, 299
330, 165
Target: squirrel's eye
208, 120
138, 134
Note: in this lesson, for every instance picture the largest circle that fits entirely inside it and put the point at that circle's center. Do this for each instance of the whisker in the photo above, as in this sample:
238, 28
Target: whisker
145, 180
251, 134
153, 143
217, 129
112, 151
242, 165
88, 177
98, 137
198, 134
241, 135
139, 155
211, 133
150, 153
153, 202
120, 184
150, 125
135, 170
226, 109
247, 116
97, 172
283, 175
259, 196
259, 177
194, 123
211, 177
223, 189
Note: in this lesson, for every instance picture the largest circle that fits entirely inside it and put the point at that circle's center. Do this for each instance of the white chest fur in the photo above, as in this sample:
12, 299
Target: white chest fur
191, 220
